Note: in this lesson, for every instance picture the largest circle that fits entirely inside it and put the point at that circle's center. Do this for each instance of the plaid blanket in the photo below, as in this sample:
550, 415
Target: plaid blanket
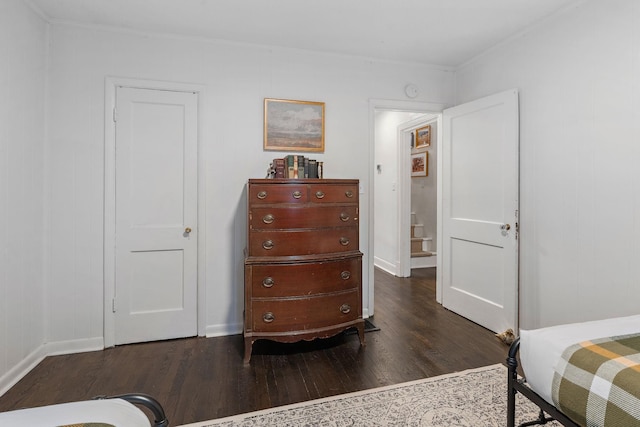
597, 382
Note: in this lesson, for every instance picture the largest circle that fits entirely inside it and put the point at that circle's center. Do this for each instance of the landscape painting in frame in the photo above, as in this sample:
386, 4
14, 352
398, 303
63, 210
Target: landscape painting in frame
293, 125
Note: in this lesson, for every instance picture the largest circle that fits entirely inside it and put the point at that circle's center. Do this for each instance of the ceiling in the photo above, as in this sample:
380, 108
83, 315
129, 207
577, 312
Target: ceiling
444, 33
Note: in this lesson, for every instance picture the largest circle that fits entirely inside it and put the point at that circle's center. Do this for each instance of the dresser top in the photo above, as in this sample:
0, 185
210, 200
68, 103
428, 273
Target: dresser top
302, 181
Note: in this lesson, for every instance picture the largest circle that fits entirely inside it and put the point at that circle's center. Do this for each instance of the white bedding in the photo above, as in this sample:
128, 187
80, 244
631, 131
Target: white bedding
116, 412
540, 349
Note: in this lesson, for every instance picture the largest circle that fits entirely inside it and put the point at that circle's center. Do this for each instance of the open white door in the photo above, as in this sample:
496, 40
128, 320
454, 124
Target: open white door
155, 215
480, 169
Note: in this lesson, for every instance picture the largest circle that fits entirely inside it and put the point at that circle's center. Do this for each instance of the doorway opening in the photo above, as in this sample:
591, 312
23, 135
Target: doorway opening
393, 123
477, 206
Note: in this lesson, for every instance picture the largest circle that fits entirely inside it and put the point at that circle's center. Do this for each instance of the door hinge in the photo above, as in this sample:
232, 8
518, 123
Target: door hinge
113, 305
115, 116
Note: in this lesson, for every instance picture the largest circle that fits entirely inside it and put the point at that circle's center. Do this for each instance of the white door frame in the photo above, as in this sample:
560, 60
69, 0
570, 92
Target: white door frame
391, 105
439, 258
111, 85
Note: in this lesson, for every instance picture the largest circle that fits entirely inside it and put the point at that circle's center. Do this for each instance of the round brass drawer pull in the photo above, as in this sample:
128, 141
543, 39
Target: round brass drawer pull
345, 275
344, 217
348, 193
268, 282
297, 194
268, 317
319, 194
268, 244
344, 241
268, 218
262, 195
345, 308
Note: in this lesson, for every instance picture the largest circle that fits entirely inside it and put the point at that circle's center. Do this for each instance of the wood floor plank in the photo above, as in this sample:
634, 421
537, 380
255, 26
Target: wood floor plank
203, 378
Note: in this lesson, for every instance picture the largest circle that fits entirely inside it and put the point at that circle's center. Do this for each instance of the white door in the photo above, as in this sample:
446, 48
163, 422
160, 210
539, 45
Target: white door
155, 215
480, 159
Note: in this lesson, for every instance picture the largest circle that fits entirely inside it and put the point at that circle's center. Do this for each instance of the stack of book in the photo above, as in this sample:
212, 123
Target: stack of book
296, 167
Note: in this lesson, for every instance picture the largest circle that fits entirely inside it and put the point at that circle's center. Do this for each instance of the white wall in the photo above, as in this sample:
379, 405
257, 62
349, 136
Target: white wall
578, 76
236, 78
386, 187
23, 36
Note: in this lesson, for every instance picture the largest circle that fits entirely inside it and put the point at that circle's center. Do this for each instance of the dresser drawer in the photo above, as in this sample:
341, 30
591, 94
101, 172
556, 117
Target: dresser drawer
322, 193
268, 193
281, 280
302, 314
273, 218
302, 242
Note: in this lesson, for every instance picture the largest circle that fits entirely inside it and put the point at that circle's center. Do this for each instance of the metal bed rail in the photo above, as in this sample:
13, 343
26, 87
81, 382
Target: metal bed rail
518, 385
141, 399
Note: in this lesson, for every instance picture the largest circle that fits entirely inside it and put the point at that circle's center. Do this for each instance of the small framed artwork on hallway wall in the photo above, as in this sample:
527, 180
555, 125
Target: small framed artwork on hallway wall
420, 164
423, 136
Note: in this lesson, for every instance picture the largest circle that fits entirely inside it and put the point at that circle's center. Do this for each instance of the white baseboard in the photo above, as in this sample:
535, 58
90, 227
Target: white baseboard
18, 372
25, 366
74, 346
385, 265
424, 262
223, 330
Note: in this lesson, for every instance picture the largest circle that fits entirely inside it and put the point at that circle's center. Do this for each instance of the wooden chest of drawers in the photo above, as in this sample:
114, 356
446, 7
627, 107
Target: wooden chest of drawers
303, 267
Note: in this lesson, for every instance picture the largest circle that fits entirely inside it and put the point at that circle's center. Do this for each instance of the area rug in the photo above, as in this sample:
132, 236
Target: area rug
472, 398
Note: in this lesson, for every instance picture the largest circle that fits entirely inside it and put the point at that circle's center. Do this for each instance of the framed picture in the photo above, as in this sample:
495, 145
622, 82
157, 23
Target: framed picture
420, 164
293, 125
423, 136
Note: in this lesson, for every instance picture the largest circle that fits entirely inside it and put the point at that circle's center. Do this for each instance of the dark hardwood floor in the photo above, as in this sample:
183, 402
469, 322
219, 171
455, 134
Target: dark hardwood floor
197, 379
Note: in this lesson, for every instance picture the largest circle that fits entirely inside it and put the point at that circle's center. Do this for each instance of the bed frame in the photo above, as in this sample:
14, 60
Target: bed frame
518, 385
141, 399
139, 407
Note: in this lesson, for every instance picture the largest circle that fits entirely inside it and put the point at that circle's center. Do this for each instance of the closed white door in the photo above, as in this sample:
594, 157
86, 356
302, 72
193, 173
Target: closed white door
155, 215
480, 164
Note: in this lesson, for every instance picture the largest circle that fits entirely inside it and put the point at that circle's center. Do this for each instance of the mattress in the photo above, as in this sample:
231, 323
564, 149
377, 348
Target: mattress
116, 412
541, 349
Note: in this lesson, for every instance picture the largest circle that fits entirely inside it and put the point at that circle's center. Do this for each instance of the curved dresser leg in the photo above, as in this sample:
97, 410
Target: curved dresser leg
361, 333
248, 344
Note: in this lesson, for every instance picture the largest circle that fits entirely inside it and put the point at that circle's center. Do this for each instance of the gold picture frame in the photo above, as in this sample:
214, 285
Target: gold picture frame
423, 136
293, 125
420, 164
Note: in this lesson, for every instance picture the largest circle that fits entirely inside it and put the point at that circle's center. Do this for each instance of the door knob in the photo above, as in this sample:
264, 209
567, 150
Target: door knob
505, 227
187, 230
